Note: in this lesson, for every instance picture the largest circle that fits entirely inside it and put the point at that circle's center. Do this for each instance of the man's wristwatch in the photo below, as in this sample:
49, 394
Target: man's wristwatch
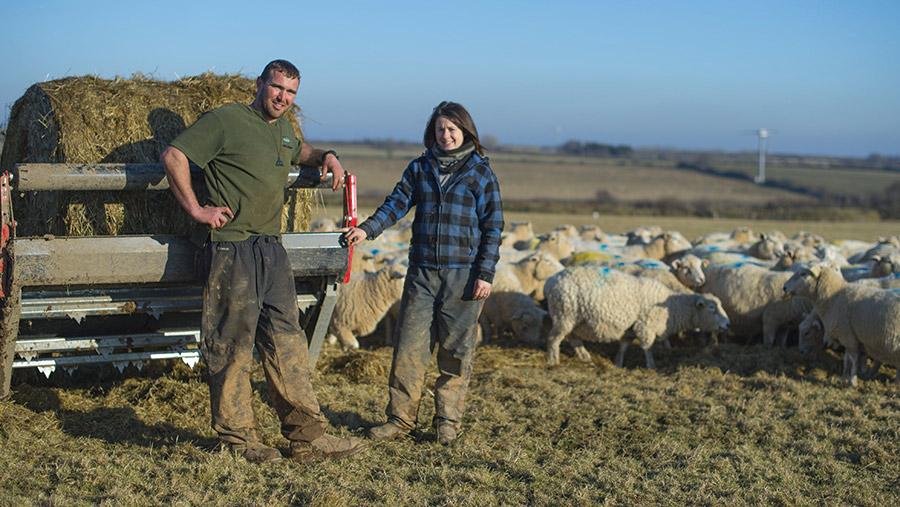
325, 154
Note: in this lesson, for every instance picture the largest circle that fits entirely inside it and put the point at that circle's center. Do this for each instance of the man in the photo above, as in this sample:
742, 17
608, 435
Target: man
248, 294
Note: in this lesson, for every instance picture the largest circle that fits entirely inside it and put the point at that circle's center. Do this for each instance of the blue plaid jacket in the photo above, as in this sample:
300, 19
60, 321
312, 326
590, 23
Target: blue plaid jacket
454, 228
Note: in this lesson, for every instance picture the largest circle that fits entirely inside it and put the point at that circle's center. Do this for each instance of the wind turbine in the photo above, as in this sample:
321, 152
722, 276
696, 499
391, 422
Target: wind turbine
761, 173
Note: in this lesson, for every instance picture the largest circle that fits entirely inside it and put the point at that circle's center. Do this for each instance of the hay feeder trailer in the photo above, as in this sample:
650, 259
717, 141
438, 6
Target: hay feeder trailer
72, 301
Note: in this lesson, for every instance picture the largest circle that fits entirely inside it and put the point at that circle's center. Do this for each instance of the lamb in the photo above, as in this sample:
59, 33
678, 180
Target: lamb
517, 231
643, 235
858, 317
809, 239
557, 244
689, 271
591, 232
886, 282
769, 247
885, 245
753, 299
514, 311
878, 266
526, 275
325, 224
603, 304
363, 301
663, 246
682, 276
811, 333
885, 264
738, 236
534, 270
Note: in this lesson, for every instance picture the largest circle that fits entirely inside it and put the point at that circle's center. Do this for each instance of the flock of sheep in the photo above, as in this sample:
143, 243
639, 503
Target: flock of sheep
651, 285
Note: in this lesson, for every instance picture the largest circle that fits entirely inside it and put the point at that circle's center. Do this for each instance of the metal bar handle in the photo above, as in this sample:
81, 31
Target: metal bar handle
81, 177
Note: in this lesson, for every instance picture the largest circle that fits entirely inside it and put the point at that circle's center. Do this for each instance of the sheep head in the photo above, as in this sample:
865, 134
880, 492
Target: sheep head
709, 314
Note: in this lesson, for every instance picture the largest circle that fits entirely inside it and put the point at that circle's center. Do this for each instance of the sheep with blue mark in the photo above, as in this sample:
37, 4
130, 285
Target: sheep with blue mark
862, 319
753, 299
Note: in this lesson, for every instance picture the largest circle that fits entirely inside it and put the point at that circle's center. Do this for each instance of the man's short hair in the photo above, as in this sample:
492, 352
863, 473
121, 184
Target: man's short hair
285, 67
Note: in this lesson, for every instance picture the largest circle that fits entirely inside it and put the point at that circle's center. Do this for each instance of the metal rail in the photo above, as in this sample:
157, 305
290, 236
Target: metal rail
85, 177
93, 279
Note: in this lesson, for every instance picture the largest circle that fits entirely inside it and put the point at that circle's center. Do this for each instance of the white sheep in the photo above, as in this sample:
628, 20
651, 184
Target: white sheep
512, 311
556, 243
885, 282
534, 270
363, 301
885, 264
737, 237
517, 231
877, 266
643, 235
591, 232
885, 245
769, 247
682, 276
753, 299
809, 239
602, 304
689, 270
811, 333
325, 224
858, 317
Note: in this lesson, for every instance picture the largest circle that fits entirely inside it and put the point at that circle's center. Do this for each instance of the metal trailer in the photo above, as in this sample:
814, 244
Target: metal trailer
72, 301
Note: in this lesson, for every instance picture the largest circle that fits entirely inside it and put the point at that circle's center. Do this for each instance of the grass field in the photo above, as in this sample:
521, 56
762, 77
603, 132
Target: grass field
732, 424
544, 176
727, 425
552, 178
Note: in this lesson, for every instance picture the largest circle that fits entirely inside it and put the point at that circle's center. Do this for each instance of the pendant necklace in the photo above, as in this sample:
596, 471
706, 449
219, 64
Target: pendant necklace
279, 163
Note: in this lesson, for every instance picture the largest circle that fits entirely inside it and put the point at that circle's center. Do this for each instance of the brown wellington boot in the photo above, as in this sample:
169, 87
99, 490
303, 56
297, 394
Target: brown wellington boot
255, 452
446, 434
387, 431
325, 447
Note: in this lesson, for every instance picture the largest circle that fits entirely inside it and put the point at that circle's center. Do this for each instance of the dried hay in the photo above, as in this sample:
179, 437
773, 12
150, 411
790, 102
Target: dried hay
92, 120
360, 365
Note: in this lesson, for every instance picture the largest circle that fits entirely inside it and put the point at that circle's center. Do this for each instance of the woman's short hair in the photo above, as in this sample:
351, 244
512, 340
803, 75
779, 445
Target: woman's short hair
460, 117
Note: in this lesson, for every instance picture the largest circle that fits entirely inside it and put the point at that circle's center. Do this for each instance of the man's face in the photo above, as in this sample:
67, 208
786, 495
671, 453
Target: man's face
275, 95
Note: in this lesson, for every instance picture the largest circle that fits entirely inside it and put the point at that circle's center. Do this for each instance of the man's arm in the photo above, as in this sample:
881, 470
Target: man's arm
329, 163
178, 172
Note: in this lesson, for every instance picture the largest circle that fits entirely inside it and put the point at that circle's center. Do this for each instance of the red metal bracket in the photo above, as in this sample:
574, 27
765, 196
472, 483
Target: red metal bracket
350, 217
7, 232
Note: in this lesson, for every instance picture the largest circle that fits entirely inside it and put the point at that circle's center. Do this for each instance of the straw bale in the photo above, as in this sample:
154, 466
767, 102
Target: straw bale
93, 120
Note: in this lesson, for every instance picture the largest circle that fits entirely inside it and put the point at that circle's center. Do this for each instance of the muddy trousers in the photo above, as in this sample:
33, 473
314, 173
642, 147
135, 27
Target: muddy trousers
249, 300
436, 311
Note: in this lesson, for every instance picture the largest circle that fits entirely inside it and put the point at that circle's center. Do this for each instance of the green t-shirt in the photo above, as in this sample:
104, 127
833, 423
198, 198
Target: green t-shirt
246, 161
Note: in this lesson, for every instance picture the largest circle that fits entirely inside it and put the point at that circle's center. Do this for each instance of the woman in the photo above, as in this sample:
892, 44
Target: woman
453, 253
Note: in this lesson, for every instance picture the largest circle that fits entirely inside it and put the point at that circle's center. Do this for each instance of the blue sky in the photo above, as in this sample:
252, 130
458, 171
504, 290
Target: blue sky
823, 75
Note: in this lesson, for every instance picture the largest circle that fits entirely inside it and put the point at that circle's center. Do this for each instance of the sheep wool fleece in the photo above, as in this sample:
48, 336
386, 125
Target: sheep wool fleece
436, 310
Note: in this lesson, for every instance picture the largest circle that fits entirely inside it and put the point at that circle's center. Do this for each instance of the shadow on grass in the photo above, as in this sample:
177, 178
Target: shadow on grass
114, 425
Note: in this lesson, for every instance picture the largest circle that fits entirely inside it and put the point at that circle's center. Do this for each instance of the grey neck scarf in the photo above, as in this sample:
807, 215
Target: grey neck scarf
450, 161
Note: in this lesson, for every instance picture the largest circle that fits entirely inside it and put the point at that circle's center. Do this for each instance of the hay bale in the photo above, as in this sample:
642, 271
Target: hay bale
92, 120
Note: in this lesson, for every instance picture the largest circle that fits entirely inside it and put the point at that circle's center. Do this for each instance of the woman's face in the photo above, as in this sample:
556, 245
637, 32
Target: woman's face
448, 135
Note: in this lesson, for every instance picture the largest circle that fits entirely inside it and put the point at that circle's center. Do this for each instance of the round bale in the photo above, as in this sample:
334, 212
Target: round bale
85, 120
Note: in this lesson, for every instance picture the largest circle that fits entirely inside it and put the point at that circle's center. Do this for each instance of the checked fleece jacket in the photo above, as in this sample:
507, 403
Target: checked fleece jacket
456, 227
